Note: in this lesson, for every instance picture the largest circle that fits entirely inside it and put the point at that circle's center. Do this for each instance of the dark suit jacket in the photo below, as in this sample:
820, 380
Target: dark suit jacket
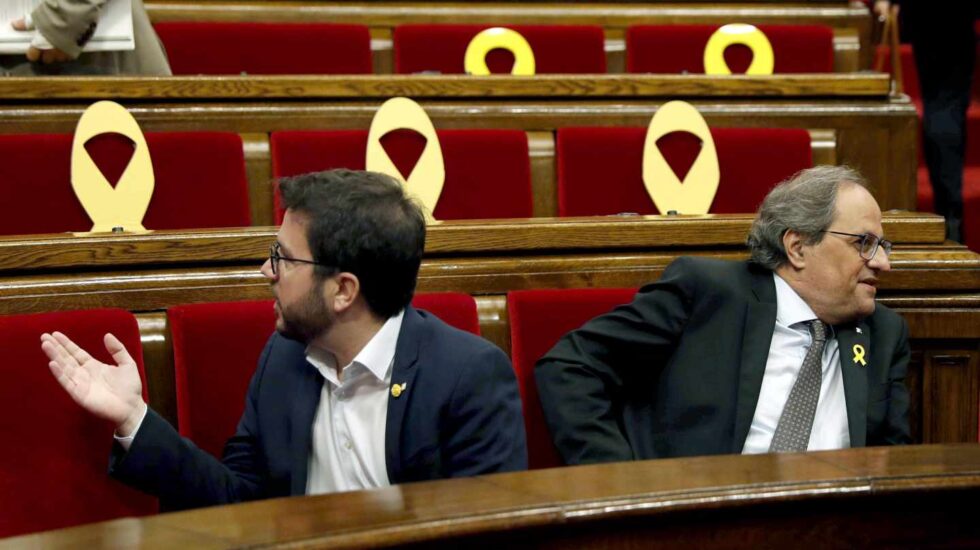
678, 371
460, 415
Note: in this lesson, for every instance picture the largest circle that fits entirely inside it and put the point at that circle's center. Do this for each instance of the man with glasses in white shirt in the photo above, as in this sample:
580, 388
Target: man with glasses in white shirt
787, 352
356, 389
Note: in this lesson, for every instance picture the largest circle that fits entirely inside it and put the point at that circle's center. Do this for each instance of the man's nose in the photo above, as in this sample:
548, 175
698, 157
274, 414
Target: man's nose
266, 270
880, 262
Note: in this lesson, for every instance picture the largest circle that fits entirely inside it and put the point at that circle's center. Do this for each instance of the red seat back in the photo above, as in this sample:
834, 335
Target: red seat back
488, 173
680, 49
217, 347
538, 318
600, 170
199, 180
557, 49
216, 48
53, 470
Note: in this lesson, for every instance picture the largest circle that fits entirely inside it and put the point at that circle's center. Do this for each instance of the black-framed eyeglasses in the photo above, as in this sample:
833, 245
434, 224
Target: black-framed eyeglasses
275, 257
869, 244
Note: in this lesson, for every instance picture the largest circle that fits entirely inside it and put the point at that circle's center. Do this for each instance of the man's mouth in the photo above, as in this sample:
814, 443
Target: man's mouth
872, 282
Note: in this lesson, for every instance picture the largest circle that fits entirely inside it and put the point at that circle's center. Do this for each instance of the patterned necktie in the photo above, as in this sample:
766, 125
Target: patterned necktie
793, 431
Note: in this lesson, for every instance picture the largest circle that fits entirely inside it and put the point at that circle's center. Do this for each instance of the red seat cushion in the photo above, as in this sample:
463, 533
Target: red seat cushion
680, 49
557, 49
488, 173
538, 318
216, 48
199, 180
600, 170
53, 469
217, 347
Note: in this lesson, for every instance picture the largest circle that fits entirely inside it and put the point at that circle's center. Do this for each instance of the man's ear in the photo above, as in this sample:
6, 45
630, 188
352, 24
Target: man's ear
793, 244
348, 289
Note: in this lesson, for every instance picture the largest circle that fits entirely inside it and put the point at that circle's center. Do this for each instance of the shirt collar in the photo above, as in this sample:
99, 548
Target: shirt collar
376, 356
790, 308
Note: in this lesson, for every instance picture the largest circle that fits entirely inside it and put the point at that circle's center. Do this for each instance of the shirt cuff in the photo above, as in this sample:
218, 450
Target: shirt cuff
127, 440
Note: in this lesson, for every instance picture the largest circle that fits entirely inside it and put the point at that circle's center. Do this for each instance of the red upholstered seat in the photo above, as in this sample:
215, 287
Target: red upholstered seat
216, 48
199, 180
538, 318
455, 308
557, 49
600, 170
53, 468
680, 49
217, 347
488, 173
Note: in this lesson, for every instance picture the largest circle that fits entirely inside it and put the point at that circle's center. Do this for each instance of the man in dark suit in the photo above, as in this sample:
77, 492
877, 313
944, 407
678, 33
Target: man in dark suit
357, 389
787, 352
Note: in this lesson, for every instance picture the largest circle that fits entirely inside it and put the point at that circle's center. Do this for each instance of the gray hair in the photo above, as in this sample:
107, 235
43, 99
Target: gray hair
805, 203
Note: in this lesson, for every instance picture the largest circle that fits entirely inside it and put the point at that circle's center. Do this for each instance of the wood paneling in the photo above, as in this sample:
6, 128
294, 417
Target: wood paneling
896, 497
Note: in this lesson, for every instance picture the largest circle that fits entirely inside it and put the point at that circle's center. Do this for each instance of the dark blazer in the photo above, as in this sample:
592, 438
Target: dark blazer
460, 415
678, 371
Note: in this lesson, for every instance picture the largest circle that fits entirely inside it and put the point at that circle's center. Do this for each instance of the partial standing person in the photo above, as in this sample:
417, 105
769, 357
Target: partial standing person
356, 390
63, 27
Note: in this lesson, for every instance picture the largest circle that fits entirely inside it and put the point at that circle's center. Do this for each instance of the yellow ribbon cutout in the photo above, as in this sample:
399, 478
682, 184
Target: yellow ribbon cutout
125, 205
695, 194
763, 60
858, 350
429, 174
475, 59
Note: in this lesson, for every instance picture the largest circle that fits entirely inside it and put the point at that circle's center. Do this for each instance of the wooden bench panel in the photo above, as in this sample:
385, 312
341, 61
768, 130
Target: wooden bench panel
874, 133
851, 22
896, 497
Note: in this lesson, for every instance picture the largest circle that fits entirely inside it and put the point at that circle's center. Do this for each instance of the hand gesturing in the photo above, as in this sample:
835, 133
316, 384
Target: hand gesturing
108, 391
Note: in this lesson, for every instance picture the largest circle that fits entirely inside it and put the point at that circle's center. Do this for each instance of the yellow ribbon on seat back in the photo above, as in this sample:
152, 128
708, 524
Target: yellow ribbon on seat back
763, 59
696, 192
427, 178
125, 205
475, 59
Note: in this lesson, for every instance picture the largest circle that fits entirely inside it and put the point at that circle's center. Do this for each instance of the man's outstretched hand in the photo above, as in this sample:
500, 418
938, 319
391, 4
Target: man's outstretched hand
112, 392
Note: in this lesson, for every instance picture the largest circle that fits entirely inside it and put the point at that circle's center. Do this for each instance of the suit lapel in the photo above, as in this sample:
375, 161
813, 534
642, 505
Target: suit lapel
852, 345
305, 403
410, 339
758, 326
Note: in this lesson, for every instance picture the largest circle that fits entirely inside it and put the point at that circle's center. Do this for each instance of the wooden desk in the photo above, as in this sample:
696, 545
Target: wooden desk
902, 497
935, 286
869, 130
851, 21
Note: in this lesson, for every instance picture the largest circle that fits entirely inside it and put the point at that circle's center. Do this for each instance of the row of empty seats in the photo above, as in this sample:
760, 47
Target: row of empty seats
317, 48
57, 478
200, 179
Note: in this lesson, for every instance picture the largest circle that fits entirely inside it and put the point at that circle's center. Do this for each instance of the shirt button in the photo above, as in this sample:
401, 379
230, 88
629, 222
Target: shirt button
347, 444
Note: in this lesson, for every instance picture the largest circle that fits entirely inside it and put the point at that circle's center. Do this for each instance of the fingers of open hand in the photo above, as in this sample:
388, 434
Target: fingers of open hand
19, 24
118, 351
78, 354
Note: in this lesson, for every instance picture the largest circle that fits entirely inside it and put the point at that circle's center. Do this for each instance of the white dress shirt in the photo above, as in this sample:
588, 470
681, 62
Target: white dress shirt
790, 341
349, 427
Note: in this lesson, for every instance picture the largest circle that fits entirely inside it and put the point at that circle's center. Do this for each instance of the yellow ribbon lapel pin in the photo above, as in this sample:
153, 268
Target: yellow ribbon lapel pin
858, 350
397, 389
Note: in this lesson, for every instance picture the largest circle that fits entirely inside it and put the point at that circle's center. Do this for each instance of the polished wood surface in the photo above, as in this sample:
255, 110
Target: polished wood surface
902, 497
308, 87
